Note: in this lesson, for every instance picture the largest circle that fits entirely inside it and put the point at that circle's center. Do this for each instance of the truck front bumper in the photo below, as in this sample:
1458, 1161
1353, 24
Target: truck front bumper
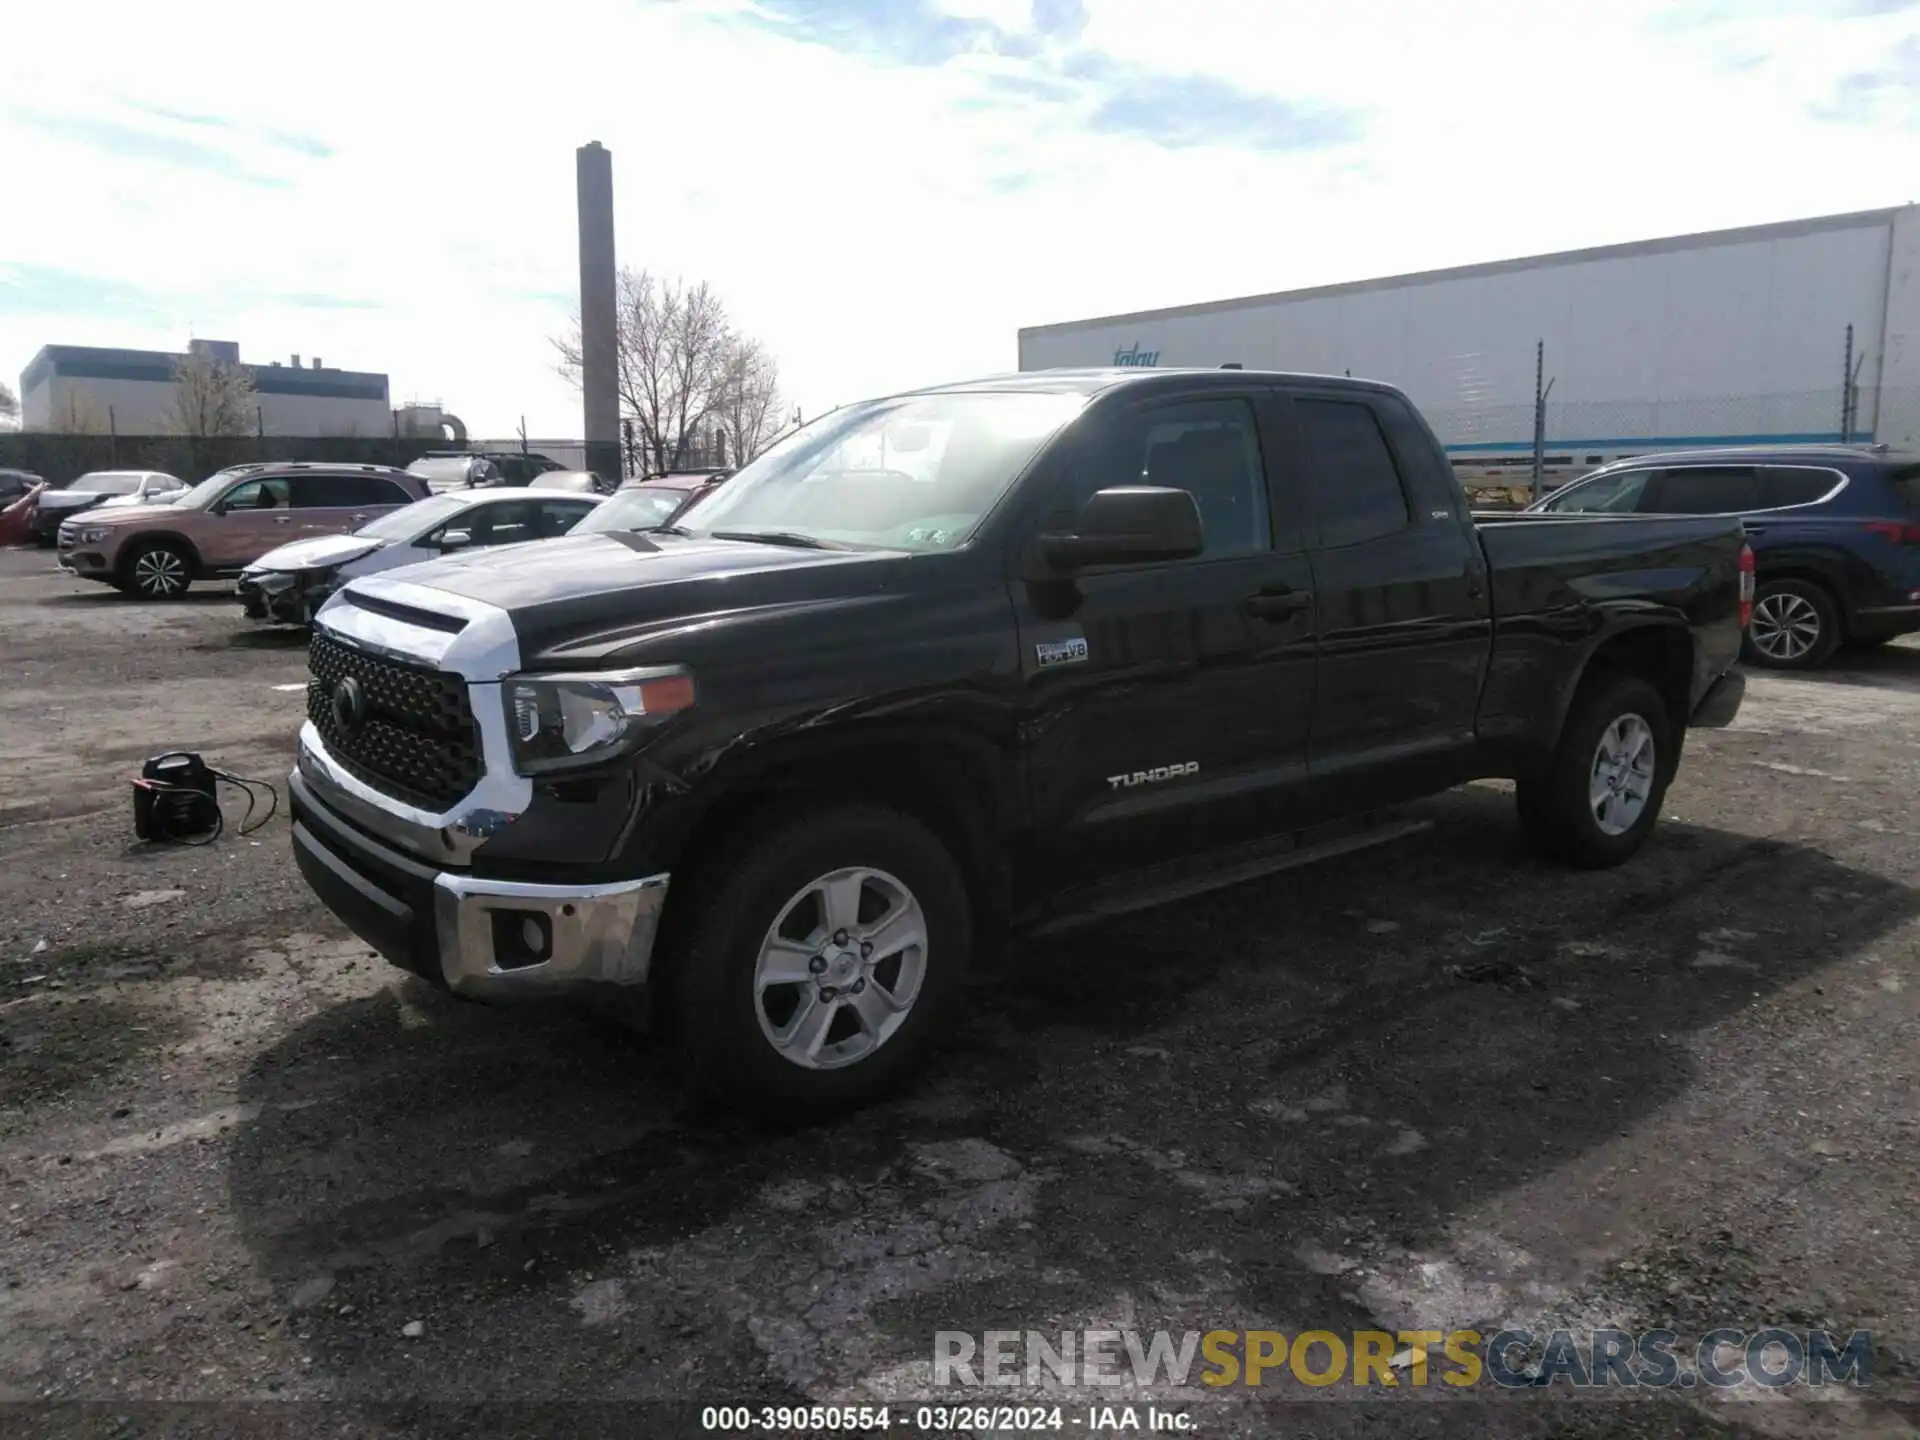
494, 940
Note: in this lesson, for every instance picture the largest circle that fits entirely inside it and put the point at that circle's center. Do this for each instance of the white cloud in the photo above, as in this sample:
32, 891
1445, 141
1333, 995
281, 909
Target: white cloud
879, 219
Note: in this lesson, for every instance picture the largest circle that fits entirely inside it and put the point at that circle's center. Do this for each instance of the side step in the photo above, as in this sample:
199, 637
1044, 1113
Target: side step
1217, 869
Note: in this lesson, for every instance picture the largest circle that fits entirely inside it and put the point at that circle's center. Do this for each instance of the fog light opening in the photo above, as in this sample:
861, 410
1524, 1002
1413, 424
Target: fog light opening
521, 938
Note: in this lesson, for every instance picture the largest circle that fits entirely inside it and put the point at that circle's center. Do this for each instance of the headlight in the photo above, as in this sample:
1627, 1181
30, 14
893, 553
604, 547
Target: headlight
94, 534
561, 722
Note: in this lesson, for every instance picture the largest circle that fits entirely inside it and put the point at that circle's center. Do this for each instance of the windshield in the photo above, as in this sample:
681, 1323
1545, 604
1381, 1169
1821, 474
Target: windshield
918, 473
638, 509
411, 520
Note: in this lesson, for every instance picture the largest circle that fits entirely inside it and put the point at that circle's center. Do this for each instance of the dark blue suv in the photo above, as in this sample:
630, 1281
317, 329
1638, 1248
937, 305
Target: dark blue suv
1835, 531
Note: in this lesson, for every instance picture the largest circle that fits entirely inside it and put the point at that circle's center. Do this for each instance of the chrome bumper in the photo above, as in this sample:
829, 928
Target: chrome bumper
494, 940
602, 936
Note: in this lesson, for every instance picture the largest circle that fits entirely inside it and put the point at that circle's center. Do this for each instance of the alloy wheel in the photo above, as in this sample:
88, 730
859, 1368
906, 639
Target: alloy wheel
840, 968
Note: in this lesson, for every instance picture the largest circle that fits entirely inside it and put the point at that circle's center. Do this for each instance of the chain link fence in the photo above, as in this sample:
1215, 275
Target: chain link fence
59, 458
1613, 426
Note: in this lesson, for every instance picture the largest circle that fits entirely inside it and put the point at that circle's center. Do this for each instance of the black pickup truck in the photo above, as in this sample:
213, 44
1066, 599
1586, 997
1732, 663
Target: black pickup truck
974, 661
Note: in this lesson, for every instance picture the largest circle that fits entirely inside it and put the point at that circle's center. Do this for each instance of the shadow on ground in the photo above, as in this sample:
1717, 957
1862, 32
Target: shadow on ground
1364, 1050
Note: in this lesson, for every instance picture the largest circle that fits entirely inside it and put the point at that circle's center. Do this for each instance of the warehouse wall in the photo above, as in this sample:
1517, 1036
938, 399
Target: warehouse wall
1669, 342
1898, 420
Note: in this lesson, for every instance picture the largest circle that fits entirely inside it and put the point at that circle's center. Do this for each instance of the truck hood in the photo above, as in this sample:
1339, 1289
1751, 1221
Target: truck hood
583, 596
317, 552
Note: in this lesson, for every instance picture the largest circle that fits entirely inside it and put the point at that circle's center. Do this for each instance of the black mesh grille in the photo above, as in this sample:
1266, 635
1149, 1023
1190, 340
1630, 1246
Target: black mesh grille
418, 740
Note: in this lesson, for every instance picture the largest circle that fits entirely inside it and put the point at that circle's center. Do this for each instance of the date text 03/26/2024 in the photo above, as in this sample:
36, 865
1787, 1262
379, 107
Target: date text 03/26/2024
971, 1420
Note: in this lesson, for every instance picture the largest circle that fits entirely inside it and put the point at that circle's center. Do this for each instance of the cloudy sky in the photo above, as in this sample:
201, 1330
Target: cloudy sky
882, 190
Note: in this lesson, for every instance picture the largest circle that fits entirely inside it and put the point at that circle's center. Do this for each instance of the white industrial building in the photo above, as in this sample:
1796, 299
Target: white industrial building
88, 388
1737, 336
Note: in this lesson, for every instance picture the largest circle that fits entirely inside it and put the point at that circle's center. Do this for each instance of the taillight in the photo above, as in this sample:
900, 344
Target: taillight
1746, 584
1901, 533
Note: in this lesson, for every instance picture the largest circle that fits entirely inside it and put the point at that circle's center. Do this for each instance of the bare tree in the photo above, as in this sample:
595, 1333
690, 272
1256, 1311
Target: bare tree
9, 406
678, 360
210, 398
80, 415
748, 409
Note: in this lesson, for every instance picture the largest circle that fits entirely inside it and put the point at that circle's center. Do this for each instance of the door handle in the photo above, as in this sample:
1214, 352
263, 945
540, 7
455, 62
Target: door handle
283, 519
358, 518
1753, 529
1278, 603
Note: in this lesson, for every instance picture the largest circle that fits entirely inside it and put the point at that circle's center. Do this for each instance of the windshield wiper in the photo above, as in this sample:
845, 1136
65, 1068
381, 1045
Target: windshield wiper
780, 537
667, 530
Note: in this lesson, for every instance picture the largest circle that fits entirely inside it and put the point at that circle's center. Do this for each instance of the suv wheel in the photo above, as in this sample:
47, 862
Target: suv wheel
157, 570
817, 968
1795, 626
1597, 800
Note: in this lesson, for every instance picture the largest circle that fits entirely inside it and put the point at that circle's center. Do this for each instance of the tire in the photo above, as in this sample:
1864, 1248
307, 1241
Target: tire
728, 1023
1795, 626
1557, 808
157, 570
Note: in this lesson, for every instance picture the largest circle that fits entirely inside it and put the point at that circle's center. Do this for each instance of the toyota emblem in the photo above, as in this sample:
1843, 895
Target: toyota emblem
349, 705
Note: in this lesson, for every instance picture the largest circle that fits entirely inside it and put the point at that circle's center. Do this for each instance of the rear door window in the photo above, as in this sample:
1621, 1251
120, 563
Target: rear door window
1705, 490
1356, 486
1783, 485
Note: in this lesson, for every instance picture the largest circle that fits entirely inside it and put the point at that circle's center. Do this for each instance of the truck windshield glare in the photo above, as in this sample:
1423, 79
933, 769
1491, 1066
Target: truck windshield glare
914, 473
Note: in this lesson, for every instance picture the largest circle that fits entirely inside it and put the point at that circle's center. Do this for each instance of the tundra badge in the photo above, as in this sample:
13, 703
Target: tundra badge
1061, 652
1155, 775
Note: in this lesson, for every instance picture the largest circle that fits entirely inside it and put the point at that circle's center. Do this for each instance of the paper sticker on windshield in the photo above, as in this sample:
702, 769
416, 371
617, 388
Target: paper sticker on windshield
1061, 652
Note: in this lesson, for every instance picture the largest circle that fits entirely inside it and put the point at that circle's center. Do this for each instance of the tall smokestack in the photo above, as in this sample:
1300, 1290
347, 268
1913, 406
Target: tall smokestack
599, 361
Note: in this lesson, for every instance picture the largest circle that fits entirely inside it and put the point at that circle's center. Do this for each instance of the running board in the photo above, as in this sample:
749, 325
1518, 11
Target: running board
1213, 870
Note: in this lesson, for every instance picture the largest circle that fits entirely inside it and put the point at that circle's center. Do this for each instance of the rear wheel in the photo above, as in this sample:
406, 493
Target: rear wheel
158, 570
1795, 626
818, 963
1597, 800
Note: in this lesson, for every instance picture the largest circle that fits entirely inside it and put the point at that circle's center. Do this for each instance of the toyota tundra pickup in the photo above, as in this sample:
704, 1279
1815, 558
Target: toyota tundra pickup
970, 662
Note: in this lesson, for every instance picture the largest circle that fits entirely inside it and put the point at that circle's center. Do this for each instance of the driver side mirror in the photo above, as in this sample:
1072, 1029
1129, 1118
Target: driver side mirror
456, 539
1127, 525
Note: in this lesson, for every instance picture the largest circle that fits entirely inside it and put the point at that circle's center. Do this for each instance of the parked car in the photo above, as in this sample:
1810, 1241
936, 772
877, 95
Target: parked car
578, 482
1835, 532
99, 488
649, 504
226, 522
16, 483
16, 516
472, 469
290, 583
456, 472
1119, 637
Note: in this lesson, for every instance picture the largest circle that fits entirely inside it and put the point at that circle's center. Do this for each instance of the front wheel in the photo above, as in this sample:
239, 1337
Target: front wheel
818, 962
1597, 800
157, 571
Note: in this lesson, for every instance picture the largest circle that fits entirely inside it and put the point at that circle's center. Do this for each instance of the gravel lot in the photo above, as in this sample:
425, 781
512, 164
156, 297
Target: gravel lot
1438, 1085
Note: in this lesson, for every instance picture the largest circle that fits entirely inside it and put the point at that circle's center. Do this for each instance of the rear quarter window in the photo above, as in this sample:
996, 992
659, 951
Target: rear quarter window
1784, 485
